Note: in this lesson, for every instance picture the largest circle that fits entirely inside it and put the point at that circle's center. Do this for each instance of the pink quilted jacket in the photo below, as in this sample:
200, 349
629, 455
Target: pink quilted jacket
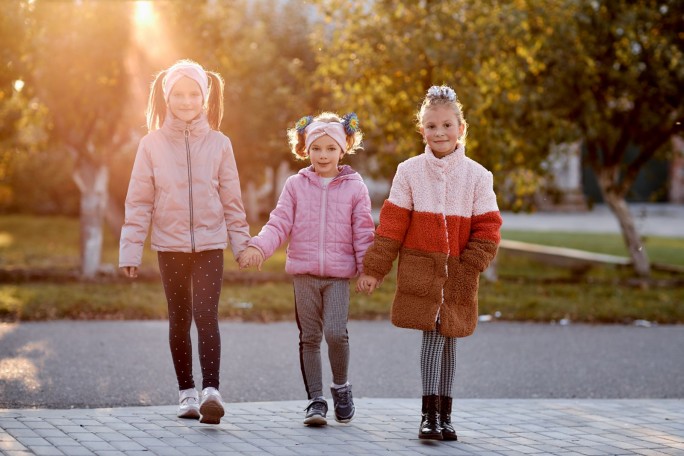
185, 184
329, 228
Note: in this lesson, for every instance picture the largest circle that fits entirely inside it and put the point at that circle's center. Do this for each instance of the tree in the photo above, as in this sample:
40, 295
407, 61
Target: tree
381, 58
78, 72
24, 169
530, 75
614, 69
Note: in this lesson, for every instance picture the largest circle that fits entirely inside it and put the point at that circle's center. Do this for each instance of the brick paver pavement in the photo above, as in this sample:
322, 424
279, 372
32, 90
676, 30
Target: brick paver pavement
381, 427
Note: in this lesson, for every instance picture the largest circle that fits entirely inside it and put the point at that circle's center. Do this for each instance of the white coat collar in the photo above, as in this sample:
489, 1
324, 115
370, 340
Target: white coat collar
450, 161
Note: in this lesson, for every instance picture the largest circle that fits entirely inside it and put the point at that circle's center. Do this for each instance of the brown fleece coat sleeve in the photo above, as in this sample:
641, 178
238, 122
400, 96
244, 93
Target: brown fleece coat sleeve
389, 236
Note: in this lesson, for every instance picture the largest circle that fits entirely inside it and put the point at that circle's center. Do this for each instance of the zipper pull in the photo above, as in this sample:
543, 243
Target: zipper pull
186, 132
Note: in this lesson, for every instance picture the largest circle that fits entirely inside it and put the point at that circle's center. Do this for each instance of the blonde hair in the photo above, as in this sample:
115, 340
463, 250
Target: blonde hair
443, 96
156, 103
297, 138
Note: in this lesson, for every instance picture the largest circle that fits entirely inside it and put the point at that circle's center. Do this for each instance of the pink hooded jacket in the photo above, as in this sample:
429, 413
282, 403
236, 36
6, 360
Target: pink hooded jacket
329, 228
185, 183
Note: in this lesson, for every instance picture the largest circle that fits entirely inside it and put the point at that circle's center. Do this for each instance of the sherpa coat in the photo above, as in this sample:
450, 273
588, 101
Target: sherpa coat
443, 221
185, 184
329, 228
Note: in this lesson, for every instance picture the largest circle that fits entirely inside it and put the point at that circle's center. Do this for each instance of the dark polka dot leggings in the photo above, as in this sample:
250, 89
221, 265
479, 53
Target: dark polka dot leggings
192, 283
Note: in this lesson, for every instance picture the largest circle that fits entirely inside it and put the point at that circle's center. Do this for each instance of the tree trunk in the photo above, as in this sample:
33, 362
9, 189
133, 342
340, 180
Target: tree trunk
251, 202
91, 180
616, 202
114, 217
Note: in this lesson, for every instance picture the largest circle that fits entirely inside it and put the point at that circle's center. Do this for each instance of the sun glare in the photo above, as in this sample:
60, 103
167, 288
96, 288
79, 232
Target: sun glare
144, 13
151, 47
149, 34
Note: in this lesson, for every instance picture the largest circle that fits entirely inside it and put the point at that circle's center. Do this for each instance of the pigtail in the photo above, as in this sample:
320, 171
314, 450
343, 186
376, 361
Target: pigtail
350, 122
215, 101
156, 104
297, 137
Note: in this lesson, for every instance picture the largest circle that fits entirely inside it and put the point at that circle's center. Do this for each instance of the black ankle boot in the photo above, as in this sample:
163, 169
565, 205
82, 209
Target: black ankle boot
429, 424
448, 432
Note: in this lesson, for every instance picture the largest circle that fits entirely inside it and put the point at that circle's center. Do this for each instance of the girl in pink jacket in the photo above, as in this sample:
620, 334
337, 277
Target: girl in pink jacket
185, 184
325, 212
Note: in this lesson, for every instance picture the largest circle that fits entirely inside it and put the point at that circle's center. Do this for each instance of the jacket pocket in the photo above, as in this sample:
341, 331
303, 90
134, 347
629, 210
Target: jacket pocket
415, 274
462, 285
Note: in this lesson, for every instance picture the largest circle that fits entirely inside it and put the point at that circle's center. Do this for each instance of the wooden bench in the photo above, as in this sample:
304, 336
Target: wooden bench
578, 262
562, 256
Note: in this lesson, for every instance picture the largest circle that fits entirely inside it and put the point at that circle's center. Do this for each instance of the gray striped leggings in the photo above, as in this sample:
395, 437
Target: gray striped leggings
437, 363
322, 307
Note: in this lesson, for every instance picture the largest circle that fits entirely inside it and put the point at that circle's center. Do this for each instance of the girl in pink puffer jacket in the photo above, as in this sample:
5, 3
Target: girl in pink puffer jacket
325, 212
185, 185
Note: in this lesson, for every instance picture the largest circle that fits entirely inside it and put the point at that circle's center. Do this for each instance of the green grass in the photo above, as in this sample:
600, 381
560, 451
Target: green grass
660, 250
526, 291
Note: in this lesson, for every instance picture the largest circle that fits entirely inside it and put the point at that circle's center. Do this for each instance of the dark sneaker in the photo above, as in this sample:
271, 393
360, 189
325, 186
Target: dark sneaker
344, 403
315, 412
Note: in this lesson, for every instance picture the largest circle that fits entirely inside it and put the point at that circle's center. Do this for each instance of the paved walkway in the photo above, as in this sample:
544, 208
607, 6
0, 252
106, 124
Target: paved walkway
381, 427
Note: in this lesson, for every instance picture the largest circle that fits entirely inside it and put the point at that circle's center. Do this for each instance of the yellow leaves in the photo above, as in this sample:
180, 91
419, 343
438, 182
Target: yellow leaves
6, 194
399, 11
6, 239
519, 158
107, 81
520, 4
513, 96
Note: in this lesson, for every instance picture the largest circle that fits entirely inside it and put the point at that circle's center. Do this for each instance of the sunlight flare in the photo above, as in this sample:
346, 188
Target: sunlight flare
20, 370
144, 13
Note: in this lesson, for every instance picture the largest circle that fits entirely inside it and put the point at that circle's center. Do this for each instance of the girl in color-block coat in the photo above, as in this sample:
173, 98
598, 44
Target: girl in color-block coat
325, 212
442, 220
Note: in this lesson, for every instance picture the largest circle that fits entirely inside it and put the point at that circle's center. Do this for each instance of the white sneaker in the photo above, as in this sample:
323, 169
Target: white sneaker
211, 406
188, 404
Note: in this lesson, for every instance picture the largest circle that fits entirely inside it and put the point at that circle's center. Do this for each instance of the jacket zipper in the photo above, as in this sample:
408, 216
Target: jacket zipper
186, 133
321, 230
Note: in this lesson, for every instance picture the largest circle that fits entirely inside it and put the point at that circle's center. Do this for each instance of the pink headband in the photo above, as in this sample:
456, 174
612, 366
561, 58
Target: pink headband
333, 129
187, 69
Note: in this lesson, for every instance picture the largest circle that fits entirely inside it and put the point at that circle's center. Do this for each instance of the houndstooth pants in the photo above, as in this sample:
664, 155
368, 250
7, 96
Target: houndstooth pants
437, 363
322, 307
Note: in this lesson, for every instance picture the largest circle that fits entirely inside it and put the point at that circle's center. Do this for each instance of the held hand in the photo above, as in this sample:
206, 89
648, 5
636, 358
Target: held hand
130, 271
366, 284
249, 257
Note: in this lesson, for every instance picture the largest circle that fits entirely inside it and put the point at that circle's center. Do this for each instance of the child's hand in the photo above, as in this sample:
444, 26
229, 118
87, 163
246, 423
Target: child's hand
129, 271
366, 284
249, 257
